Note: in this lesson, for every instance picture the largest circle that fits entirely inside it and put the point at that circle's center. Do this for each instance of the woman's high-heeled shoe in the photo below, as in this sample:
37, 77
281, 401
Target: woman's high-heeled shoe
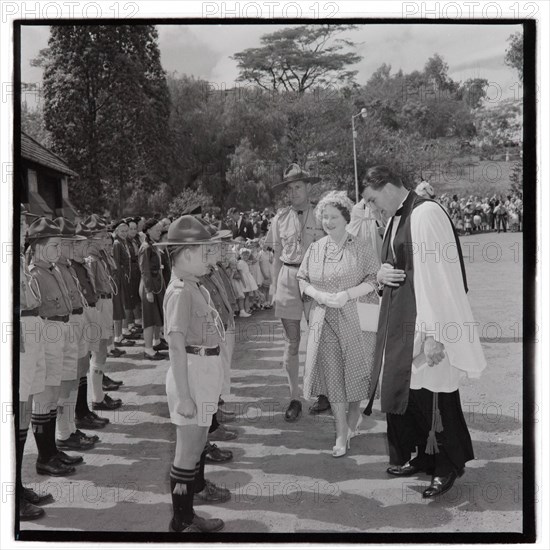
341, 451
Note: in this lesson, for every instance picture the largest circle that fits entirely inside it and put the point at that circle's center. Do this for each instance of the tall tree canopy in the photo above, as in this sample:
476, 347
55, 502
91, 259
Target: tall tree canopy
106, 107
299, 58
514, 53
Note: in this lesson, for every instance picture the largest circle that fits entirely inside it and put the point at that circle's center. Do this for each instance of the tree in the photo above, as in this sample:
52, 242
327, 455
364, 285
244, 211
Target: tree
299, 58
514, 53
32, 123
106, 106
186, 201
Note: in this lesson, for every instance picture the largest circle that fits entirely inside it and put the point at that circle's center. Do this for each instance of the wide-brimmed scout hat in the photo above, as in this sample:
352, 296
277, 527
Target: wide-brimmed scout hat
295, 173
95, 224
68, 229
25, 211
43, 228
81, 230
222, 233
188, 230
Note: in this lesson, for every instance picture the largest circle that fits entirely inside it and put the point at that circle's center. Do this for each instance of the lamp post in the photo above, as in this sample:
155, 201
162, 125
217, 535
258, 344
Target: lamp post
362, 114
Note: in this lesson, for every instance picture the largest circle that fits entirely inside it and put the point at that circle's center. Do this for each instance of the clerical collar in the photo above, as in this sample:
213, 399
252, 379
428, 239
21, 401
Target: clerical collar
399, 211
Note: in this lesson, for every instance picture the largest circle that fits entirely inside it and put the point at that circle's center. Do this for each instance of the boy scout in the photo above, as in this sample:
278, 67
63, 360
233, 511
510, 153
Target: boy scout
292, 230
104, 305
195, 377
32, 372
68, 437
55, 308
84, 418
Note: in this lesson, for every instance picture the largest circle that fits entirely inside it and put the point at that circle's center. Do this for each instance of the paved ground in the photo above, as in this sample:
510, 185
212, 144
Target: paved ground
283, 478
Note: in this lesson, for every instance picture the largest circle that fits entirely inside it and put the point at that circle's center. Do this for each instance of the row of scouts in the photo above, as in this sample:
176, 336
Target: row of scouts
77, 291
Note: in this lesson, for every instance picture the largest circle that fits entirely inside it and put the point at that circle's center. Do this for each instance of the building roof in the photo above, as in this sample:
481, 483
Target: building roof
35, 152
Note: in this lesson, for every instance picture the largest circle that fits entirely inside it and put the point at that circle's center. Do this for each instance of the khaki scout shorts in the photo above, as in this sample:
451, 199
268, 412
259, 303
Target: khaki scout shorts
91, 332
73, 337
288, 300
205, 377
32, 361
104, 308
54, 335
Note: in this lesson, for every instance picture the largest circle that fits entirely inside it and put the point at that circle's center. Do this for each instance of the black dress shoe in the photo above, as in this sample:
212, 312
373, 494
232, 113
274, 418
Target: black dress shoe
321, 405
133, 336
107, 404
88, 422
215, 455
294, 411
54, 467
93, 438
115, 352
69, 459
108, 380
102, 419
403, 471
36, 498
28, 511
440, 485
109, 387
74, 443
163, 346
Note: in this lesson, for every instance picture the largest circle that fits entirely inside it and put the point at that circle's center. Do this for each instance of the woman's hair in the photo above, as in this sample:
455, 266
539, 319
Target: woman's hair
378, 176
150, 222
337, 199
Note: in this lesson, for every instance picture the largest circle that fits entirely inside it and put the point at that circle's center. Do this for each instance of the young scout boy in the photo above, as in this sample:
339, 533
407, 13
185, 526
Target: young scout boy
32, 372
67, 436
55, 308
194, 380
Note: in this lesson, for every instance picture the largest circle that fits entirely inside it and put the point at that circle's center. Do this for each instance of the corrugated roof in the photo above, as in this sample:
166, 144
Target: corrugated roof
35, 152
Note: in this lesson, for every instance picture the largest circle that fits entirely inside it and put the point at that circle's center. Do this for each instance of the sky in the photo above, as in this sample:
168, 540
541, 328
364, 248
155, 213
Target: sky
204, 50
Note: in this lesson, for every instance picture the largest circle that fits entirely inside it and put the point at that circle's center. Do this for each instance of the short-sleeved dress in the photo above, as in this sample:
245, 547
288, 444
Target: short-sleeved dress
339, 355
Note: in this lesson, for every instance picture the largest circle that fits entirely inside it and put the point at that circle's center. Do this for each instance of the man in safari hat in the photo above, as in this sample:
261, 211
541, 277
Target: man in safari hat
292, 230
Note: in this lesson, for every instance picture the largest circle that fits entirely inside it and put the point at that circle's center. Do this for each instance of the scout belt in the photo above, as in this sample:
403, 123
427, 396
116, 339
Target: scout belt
60, 318
202, 351
105, 296
30, 312
291, 265
77, 311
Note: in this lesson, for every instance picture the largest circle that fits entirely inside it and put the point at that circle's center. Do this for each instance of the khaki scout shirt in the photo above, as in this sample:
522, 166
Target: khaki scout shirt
83, 274
290, 235
72, 283
54, 293
100, 274
186, 311
30, 293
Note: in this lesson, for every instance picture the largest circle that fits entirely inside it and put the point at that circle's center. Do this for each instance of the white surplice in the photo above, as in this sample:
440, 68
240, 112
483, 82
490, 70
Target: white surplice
442, 307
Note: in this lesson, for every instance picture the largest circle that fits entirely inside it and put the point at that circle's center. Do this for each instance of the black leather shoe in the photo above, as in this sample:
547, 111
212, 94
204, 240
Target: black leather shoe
88, 422
108, 404
157, 356
440, 485
36, 498
28, 511
108, 380
403, 471
99, 418
92, 438
133, 336
321, 405
183, 528
54, 467
215, 455
109, 387
294, 411
115, 352
69, 459
163, 346
208, 525
74, 443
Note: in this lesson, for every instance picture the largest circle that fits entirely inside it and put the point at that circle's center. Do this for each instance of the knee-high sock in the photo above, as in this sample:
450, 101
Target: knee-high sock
199, 471
215, 423
96, 382
20, 450
82, 409
182, 484
51, 431
65, 416
40, 424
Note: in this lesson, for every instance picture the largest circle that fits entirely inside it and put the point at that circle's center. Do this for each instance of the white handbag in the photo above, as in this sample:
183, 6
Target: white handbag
368, 316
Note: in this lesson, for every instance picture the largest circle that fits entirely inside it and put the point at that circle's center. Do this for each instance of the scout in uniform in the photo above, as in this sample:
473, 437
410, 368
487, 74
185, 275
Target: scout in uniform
135, 275
292, 230
84, 418
75, 348
105, 288
32, 373
55, 308
194, 380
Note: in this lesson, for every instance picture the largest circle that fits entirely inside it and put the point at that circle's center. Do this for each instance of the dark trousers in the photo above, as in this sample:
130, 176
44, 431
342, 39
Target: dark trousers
409, 431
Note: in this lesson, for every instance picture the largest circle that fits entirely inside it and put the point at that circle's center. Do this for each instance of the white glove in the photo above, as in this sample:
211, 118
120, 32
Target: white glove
338, 300
317, 295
